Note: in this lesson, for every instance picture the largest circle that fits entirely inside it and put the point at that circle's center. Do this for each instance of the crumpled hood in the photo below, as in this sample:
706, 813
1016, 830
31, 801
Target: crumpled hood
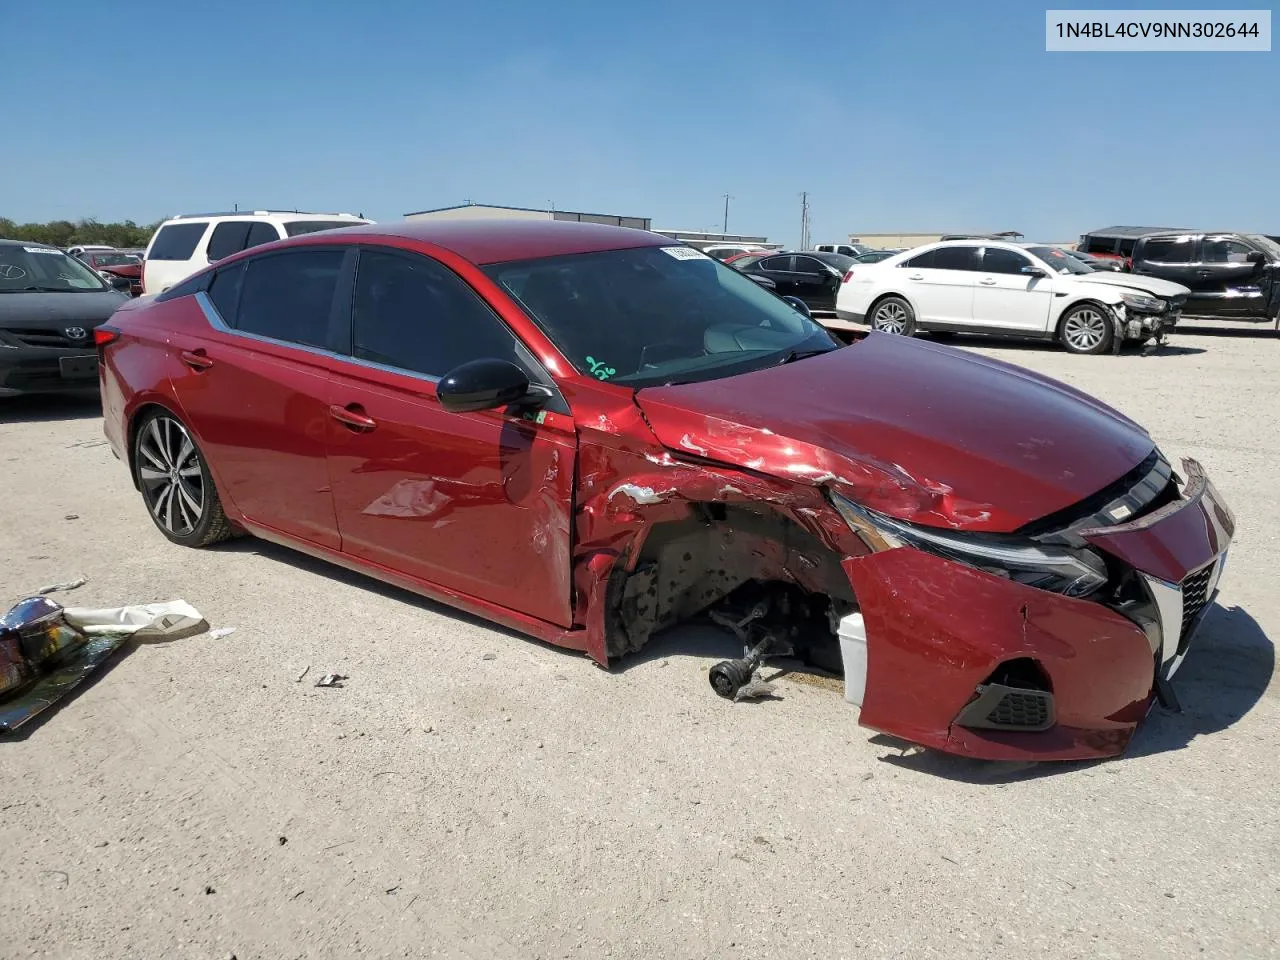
1151, 285
919, 431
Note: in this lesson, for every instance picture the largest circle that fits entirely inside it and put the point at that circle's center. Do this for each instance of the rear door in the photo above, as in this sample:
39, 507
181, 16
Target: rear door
1008, 299
1229, 281
256, 385
940, 282
779, 270
476, 503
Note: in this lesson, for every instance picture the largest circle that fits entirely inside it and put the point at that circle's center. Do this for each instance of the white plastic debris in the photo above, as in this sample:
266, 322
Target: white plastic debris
219, 632
756, 688
65, 585
141, 621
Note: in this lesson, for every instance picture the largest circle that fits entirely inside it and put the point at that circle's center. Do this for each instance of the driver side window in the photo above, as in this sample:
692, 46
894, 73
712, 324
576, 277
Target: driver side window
415, 314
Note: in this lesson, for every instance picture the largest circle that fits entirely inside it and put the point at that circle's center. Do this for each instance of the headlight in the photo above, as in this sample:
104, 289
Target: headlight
1073, 573
1137, 301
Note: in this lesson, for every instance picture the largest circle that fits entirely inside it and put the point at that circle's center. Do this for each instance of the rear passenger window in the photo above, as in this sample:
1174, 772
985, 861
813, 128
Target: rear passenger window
228, 238
1099, 245
955, 258
177, 241
224, 291
261, 232
289, 296
776, 264
414, 314
1173, 250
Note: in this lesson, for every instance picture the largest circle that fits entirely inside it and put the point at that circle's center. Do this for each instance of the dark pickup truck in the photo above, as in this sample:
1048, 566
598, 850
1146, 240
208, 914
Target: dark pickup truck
1232, 276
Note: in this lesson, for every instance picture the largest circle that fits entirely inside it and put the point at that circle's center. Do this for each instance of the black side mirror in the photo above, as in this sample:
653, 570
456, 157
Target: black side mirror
1033, 272
799, 305
486, 384
1256, 256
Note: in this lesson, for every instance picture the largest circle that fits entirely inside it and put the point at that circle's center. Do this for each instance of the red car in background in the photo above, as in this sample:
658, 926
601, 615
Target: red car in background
591, 433
118, 265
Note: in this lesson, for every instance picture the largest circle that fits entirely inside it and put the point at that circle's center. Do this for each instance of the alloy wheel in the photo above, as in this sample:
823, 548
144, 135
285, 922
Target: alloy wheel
171, 477
891, 318
1085, 329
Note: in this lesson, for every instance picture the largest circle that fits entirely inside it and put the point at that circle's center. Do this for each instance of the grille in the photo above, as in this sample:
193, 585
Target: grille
1029, 709
52, 338
1195, 597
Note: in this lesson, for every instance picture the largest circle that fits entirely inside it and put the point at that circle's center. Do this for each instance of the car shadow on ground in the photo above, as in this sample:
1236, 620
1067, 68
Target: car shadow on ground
1041, 346
1261, 330
333, 571
43, 409
1228, 669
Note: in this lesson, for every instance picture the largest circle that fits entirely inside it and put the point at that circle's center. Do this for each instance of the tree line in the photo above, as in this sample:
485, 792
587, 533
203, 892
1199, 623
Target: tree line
64, 233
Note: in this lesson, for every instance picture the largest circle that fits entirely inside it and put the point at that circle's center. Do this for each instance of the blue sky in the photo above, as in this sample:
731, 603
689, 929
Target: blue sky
913, 116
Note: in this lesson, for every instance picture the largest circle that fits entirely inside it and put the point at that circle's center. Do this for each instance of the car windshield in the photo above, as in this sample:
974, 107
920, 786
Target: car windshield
1267, 244
658, 315
1059, 260
297, 227
36, 269
112, 259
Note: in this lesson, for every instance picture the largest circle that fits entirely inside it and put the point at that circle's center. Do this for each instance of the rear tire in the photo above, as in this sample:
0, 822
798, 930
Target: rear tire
175, 482
894, 315
1086, 329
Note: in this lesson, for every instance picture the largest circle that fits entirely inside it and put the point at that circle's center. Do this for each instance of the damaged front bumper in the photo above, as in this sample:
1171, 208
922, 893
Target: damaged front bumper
964, 661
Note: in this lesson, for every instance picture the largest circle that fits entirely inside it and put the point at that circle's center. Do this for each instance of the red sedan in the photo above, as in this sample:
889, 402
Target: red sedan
590, 434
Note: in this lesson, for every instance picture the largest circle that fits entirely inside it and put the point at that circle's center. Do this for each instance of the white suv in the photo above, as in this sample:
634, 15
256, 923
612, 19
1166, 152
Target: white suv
1007, 289
190, 242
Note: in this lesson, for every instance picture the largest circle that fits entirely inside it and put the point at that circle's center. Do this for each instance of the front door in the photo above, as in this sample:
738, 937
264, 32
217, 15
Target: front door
1008, 299
477, 503
815, 283
1227, 282
254, 386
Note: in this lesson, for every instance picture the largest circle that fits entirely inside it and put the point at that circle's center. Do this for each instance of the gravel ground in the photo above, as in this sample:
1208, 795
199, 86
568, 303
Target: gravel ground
470, 793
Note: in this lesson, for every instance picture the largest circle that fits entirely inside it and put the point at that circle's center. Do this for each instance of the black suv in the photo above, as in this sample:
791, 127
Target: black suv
1232, 276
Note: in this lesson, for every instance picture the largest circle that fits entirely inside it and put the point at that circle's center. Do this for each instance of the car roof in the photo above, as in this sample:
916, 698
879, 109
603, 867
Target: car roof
1135, 231
488, 241
27, 243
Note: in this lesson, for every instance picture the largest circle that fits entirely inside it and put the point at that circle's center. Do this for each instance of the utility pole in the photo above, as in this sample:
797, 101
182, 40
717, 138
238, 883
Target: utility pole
725, 228
804, 221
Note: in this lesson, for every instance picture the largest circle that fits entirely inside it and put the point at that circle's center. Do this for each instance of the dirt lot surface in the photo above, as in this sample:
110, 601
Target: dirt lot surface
470, 793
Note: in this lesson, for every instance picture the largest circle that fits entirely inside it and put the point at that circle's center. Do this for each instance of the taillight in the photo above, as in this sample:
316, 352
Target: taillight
104, 335
848, 275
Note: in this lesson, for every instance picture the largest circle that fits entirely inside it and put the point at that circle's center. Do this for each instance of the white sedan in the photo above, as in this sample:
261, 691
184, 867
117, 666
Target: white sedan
1007, 289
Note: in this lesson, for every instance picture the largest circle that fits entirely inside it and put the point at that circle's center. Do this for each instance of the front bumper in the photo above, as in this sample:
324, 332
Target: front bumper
941, 635
48, 369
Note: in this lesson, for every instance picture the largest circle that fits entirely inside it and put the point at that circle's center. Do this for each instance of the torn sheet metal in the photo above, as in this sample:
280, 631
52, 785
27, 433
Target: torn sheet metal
46, 650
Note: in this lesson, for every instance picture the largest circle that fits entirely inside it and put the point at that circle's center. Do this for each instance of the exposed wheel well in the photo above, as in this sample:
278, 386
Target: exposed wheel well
721, 551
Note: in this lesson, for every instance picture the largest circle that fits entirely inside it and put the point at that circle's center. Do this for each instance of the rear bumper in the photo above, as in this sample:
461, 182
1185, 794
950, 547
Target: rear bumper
40, 370
940, 635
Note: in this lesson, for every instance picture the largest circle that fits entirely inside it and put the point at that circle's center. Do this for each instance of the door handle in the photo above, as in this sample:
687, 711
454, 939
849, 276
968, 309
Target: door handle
196, 359
353, 416
915, 276
986, 281
1203, 273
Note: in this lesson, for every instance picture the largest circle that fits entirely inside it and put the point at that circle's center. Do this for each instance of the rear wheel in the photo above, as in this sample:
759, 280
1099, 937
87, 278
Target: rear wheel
175, 483
893, 315
1086, 328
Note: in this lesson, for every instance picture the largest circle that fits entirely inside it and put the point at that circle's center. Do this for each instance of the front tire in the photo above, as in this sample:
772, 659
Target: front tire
894, 315
1086, 329
175, 482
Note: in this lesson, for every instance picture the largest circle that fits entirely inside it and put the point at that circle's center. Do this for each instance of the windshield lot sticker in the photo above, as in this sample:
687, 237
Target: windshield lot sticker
684, 253
41, 250
599, 369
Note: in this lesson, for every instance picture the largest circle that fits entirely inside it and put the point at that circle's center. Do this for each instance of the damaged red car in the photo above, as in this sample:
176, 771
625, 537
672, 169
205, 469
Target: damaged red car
591, 434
